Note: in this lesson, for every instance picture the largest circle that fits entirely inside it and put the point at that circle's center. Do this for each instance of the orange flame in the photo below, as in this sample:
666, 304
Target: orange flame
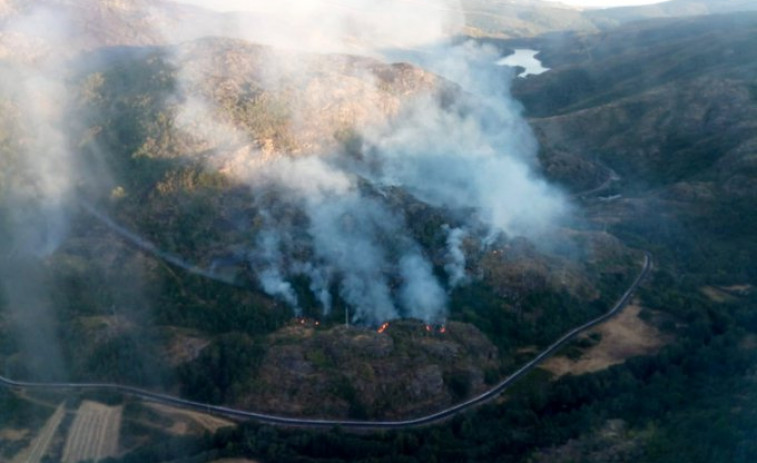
443, 329
428, 328
383, 328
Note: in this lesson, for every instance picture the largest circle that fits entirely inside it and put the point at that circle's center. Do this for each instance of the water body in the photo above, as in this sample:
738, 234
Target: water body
525, 58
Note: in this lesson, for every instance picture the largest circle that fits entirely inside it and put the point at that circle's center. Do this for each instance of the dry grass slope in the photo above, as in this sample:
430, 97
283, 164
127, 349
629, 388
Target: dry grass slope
623, 337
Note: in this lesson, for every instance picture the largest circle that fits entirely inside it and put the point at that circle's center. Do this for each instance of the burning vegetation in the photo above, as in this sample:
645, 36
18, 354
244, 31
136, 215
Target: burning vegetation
428, 328
307, 322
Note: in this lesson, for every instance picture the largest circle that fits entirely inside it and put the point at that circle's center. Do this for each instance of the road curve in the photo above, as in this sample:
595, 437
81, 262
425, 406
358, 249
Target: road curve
354, 424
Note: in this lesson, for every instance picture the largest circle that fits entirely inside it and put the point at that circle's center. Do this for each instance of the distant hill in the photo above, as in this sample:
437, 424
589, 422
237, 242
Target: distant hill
671, 106
93, 23
529, 18
675, 8
521, 18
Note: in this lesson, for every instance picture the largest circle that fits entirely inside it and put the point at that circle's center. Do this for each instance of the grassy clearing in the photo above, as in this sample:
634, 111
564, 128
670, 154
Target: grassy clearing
622, 337
723, 294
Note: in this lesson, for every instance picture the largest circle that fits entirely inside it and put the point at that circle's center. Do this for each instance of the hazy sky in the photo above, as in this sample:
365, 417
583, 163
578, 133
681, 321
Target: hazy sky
230, 5
606, 3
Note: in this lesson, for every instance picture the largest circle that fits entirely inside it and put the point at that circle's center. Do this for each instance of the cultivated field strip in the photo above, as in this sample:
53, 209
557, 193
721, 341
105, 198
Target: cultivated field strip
94, 433
38, 447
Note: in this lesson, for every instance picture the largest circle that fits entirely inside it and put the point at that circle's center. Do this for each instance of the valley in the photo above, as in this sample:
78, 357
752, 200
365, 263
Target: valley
217, 248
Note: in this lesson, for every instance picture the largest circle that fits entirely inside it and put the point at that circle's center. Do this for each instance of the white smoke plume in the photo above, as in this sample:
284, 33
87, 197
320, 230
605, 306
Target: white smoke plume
472, 154
357, 242
270, 260
37, 178
455, 259
41, 179
364, 27
479, 154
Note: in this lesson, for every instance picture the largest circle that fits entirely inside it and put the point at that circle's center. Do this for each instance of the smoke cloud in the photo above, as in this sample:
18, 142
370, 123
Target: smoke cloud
362, 27
455, 259
328, 215
470, 153
37, 179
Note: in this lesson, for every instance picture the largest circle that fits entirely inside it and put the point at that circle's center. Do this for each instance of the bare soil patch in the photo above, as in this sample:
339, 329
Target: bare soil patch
207, 422
722, 294
103, 328
13, 435
184, 347
623, 337
738, 288
716, 294
528, 350
94, 433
